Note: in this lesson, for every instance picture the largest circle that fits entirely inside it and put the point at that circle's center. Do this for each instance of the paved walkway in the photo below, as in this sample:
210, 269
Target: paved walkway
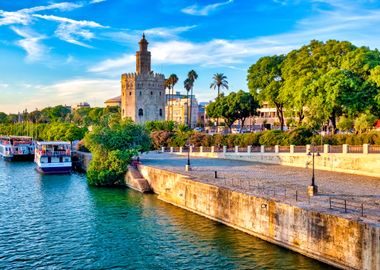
282, 183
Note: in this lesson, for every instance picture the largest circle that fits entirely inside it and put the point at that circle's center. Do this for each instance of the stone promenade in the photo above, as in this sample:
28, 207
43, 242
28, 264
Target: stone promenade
351, 196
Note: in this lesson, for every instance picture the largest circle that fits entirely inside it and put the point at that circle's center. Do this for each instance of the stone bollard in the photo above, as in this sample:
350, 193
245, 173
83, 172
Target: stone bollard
366, 148
224, 149
236, 149
181, 149
308, 148
276, 149
201, 149
249, 149
212, 149
326, 148
345, 148
163, 149
292, 149
262, 148
171, 149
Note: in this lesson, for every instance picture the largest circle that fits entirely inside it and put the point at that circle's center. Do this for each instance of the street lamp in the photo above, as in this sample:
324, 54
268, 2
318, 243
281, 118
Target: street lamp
312, 190
187, 167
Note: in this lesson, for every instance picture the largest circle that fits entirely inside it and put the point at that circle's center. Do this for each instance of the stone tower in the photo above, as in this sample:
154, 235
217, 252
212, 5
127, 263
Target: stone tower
143, 92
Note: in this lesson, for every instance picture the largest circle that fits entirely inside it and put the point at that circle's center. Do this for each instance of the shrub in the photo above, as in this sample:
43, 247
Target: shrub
160, 138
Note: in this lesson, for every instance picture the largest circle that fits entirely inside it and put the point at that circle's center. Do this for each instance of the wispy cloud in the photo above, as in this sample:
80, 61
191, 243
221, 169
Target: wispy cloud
217, 52
30, 43
24, 16
333, 23
198, 10
71, 30
93, 90
131, 36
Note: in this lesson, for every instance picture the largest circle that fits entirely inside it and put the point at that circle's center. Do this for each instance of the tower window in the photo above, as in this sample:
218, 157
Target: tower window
160, 93
140, 93
141, 112
130, 93
160, 112
151, 93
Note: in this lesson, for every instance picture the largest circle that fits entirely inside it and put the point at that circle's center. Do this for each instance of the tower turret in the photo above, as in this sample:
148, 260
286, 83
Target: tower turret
143, 57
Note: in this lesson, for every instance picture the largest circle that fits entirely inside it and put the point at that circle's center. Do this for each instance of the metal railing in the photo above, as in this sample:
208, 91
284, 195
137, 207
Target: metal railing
334, 203
374, 149
355, 149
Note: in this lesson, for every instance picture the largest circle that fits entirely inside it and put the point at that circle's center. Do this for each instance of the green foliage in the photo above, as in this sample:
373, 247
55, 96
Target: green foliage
235, 106
364, 123
160, 125
345, 123
112, 149
47, 132
265, 81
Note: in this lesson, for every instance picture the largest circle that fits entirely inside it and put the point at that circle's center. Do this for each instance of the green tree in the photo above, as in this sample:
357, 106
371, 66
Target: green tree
173, 79
219, 82
364, 123
112, 149
189, 85
3, 117
246, 105
265, 81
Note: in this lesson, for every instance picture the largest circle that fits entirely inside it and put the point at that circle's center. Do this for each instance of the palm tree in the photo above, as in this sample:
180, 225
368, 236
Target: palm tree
219, 81
168, 85
188, 84
173, 80
191, 77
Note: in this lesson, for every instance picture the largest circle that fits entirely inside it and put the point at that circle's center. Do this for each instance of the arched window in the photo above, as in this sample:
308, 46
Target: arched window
130, 93
160, 112
140, 93
151, 93
141, 112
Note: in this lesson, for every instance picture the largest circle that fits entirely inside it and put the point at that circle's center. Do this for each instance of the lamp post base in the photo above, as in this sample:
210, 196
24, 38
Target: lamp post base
187, 168
312, 191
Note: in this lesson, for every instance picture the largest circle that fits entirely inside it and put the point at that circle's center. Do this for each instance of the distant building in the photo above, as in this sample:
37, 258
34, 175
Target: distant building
116, 101
143, 92
80, 105
177, 109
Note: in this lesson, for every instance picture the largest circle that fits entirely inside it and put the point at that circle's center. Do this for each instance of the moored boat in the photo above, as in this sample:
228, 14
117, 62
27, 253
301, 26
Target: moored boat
16, 148
53, 157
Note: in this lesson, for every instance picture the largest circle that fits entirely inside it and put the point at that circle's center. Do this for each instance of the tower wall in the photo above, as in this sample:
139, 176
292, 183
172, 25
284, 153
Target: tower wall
143, 92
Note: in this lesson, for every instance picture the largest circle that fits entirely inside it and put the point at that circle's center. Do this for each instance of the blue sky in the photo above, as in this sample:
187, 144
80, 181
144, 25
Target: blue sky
64, 52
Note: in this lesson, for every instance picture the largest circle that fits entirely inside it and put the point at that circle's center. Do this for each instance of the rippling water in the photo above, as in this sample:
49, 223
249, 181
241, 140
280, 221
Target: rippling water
55, 222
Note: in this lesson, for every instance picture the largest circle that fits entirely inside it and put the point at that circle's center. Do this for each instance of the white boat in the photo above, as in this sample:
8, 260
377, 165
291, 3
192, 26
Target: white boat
53, 157
16, 148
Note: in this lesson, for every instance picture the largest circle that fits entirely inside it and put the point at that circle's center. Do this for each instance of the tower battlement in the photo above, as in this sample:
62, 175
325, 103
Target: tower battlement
143, 91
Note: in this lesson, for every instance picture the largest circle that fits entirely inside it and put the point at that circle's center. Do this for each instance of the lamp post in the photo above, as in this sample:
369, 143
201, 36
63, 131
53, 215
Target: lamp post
187, 166
312, 190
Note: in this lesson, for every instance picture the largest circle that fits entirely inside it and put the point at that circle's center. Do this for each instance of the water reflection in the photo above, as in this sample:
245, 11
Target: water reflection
59, 222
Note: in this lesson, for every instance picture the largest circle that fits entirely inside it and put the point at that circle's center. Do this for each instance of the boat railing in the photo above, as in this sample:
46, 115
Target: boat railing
54, 153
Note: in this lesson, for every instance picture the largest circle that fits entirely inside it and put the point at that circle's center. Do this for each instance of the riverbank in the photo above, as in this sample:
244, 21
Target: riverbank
346, 240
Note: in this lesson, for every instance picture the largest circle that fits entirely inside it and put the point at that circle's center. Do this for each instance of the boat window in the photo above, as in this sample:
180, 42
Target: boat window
66, 159
44, 160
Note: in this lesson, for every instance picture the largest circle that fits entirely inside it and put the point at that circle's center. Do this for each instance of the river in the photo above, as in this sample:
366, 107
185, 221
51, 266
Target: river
59, 222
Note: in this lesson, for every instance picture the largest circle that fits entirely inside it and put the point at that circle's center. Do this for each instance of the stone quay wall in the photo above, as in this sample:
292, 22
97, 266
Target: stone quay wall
355, 163
344, 243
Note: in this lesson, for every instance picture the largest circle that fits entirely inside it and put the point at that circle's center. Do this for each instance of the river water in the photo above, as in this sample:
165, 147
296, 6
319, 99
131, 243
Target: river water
58, 222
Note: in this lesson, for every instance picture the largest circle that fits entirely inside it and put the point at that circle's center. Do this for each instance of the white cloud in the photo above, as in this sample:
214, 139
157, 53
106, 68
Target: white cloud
24, 16
358, 25
31, 43
204, 10
131, 36
95, 91
71, 30
213, 53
